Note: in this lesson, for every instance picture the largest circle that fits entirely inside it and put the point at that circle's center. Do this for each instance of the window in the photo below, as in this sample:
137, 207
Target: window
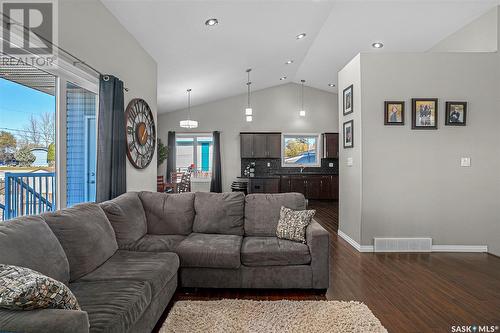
300, 150
194, 152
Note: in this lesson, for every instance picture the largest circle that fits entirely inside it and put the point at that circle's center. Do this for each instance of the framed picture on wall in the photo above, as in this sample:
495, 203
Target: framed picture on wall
456, 113
348, 100
394, 113
348, 134
424, 113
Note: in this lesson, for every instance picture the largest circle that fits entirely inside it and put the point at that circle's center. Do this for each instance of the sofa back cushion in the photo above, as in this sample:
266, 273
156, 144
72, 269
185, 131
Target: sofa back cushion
86, 235
168, 214
27, 241
262, 211
127, 217
219, 213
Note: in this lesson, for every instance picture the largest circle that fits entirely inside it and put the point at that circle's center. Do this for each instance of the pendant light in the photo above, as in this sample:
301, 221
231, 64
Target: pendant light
188, 123
302, 111
248, 110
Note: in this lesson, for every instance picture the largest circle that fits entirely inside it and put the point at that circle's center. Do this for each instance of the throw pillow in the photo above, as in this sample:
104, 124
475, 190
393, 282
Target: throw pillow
293, 223
24, 289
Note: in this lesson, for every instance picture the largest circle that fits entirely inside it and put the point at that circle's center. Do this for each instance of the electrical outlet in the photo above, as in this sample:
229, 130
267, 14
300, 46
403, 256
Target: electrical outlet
268, 164
330, 165
349, 162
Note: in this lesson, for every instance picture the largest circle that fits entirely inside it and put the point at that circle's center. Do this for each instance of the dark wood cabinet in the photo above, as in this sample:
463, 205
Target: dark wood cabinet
274, 145
264, 185
260, 145
246, 145
321, 187
330, 145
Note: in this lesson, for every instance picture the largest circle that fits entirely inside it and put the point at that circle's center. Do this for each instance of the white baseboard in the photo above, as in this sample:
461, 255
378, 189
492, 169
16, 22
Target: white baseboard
435, 248
459, 248
354, 244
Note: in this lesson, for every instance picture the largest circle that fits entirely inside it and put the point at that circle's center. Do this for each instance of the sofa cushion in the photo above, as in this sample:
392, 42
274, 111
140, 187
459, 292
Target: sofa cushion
157, 243
293, 223
210, 250
272, 251
22, 288
155, 268
85, 235
113, 306
28, 242
219, 213
127, 217
168, 214
262, 211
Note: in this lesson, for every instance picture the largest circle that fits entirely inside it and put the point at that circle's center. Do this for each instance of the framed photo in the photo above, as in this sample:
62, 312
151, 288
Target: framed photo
456, 114
424, 113
349, 134
394, 113
348, 100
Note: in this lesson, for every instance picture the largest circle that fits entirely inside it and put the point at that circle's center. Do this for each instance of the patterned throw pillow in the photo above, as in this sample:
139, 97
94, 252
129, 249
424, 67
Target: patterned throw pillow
293, 223
24, 289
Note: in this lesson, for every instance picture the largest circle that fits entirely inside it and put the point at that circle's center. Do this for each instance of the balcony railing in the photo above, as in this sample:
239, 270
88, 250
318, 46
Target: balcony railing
28, 194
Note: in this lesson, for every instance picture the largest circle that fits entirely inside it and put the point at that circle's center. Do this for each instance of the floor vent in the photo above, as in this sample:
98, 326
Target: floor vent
403, 244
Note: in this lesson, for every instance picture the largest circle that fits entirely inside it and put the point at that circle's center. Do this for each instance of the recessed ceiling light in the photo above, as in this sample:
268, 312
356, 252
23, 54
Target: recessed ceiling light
211, 22
282, 78
377, 45
331, 85
300, 36
288, 62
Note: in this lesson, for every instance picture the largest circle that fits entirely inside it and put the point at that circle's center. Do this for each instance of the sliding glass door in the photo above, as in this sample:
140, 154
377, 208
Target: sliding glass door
81, 107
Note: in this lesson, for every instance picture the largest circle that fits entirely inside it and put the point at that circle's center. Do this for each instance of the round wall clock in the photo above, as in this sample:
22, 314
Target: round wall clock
141, 133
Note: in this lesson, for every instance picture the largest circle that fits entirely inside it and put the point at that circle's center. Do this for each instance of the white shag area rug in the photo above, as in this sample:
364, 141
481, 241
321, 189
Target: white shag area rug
228, 316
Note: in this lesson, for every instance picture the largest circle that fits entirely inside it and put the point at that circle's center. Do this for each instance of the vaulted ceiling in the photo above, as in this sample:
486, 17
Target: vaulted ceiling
261, 35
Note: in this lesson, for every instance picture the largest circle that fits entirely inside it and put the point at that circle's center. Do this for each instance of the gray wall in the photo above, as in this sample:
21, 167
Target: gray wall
413, 184
275, 109
350, 180
88, 30
478, 36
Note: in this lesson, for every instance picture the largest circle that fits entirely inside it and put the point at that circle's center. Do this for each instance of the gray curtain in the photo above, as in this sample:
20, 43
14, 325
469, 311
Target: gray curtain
111, 140
216, 183
171, 156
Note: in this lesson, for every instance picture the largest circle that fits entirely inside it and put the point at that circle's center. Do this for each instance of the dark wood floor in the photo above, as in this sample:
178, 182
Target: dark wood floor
408, 292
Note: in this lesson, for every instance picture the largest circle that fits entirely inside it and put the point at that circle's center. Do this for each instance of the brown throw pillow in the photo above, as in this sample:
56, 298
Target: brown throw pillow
293, 223
24, 289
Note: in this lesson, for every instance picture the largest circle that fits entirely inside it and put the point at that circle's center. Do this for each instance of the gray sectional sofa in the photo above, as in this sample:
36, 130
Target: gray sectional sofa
124, 258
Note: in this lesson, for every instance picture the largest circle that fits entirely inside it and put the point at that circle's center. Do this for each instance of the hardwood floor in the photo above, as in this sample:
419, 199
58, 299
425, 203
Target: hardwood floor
422, 292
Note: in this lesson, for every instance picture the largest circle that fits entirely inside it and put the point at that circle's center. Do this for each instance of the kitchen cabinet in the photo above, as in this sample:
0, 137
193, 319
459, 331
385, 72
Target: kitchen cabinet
322, 187
264, 185
260, 145
330, 145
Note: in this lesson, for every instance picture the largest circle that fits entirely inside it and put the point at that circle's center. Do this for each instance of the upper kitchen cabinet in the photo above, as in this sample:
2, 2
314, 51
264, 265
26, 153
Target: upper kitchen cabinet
260, 145
330, 145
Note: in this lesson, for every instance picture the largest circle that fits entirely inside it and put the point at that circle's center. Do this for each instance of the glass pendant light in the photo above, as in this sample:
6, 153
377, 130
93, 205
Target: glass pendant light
302, 111
188, 123
248, 110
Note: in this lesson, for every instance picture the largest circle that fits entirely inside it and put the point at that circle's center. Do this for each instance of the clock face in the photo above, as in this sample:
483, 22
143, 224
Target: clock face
141, 133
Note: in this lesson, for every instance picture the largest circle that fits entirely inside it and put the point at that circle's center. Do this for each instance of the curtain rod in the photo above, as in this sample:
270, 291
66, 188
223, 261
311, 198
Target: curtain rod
76, 60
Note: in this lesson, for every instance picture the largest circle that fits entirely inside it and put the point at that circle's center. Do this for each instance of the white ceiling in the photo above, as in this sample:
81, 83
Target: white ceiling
261, 35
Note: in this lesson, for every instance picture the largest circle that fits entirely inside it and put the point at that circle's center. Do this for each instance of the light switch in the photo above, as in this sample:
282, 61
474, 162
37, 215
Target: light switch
349, 162
268, 164
330, 165
465, 162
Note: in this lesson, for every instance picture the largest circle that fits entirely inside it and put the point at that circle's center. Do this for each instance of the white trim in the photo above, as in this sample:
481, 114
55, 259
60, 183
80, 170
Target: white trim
354, 244
435, 248
459, 248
